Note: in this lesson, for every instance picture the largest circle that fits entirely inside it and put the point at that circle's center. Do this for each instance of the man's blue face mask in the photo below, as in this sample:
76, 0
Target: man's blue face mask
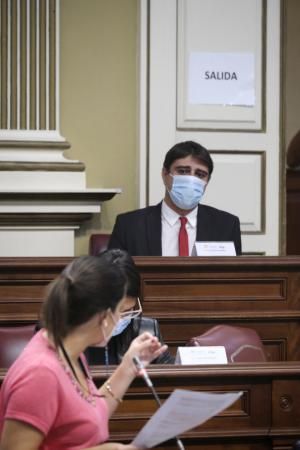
186, 191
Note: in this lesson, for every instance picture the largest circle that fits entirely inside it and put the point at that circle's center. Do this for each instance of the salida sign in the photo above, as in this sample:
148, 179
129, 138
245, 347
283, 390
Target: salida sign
221, 79
220, 75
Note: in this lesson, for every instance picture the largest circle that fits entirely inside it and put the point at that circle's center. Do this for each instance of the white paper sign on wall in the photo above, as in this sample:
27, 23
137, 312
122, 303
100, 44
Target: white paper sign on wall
221, 79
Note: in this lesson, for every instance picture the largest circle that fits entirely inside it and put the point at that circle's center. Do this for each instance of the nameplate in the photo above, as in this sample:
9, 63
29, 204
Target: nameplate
201, 355
203, 248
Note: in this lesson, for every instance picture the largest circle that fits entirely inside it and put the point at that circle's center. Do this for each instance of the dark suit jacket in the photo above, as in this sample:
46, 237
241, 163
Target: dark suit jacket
118, 345
139, 231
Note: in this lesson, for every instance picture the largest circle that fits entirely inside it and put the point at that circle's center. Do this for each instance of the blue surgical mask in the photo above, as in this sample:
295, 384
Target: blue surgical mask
186, 191
120, 327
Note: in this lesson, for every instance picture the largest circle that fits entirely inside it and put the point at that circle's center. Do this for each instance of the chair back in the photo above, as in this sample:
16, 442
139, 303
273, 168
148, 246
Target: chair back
98, 243
241, 344
13, 339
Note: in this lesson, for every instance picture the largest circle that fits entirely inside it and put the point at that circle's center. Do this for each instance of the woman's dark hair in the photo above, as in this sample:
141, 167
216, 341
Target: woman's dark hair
189, 148
87, 286
125, 262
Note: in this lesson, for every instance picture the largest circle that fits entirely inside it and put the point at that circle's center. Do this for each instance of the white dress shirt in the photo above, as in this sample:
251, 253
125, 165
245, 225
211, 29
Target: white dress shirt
170, 225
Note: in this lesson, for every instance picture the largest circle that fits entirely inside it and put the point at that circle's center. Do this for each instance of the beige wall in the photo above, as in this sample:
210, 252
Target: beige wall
98, 81
99, 98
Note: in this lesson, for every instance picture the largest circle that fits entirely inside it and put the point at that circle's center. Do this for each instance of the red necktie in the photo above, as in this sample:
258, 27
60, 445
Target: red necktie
183, 238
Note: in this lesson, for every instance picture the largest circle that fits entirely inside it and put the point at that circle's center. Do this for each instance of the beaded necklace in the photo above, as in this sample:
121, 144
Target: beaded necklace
84, 392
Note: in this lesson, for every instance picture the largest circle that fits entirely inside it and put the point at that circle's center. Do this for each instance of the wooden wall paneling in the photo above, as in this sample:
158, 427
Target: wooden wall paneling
265, 417
22, 286
198, 293
186, 295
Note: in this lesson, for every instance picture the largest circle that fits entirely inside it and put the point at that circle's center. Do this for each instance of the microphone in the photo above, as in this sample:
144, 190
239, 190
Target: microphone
142, 371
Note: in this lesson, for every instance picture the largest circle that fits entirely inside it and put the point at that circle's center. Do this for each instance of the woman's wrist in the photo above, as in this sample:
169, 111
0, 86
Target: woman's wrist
128, 367
110, 391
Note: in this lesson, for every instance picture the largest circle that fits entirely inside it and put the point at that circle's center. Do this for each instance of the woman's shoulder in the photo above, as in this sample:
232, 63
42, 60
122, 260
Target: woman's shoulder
37, 357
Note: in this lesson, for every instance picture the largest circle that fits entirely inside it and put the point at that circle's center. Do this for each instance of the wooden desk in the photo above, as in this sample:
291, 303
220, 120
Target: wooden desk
190, 295
266, 417
187, 295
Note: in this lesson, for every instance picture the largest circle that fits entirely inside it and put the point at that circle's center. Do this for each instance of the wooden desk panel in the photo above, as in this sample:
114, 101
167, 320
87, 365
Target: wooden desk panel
267, 416
279, 339
187, 295
190, 295
22, 286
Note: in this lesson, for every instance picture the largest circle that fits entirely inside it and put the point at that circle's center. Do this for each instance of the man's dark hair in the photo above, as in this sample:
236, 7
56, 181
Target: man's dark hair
189, 148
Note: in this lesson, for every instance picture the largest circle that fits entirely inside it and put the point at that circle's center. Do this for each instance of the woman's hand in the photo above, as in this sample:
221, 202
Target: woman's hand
146, 346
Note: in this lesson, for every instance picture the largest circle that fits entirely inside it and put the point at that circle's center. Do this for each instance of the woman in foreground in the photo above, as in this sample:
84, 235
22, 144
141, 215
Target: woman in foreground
48, 400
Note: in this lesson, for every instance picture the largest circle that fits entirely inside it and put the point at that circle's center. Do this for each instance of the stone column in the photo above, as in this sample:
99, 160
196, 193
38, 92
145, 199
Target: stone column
43, 195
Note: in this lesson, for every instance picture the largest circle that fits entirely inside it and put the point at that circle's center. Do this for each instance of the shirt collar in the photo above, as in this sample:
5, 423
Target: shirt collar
172, 217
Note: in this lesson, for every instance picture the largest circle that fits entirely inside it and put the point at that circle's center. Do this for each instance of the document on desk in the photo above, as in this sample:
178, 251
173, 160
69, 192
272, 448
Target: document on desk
182, 411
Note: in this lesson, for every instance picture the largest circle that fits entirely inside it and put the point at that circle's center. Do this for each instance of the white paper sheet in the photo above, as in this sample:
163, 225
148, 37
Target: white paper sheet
182, 411
221, 79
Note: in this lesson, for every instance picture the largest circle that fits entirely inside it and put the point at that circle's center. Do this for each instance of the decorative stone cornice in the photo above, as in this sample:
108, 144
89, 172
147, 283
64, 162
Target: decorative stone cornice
39, 166
51, 208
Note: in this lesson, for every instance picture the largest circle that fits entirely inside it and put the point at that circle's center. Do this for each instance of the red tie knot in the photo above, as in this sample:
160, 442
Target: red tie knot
183, 221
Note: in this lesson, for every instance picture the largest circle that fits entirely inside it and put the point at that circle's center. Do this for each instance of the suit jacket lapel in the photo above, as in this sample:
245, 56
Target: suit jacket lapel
203, 226
153, 232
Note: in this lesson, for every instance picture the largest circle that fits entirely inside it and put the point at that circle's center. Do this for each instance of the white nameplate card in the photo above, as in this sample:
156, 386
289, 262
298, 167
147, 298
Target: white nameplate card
214, 248
201, 355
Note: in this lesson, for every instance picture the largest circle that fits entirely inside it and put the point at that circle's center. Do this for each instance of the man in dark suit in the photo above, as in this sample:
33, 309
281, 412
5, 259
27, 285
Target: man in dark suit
172, 227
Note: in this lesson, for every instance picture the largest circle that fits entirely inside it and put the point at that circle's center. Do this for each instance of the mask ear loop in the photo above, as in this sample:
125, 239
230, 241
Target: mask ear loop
106, 353
106, 360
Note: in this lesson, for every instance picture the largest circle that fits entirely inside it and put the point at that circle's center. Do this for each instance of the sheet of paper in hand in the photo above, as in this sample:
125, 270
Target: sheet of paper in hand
182, 411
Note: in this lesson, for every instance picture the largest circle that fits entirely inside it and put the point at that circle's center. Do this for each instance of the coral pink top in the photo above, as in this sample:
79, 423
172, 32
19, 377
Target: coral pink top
39, 391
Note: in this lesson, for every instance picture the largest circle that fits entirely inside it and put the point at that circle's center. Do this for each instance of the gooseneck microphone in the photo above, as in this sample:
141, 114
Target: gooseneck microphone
142, 371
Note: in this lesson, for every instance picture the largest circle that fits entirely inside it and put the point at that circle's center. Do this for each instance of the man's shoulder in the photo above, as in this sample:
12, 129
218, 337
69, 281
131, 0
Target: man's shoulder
215, 212
148, 210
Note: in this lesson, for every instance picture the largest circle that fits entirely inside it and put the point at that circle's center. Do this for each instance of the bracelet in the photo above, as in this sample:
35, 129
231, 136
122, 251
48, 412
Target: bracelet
109, 390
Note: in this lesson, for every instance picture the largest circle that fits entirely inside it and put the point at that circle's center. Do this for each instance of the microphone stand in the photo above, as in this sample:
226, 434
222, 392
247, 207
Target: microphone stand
142, 371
